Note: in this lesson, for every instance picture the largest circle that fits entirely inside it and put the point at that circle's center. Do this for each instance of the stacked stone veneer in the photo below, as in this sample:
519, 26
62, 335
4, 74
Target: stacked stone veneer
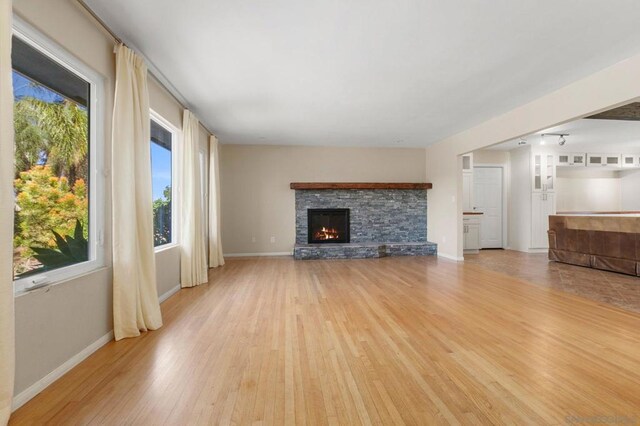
384, 222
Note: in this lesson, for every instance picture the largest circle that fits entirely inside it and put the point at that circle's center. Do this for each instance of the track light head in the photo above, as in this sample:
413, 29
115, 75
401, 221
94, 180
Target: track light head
561, 138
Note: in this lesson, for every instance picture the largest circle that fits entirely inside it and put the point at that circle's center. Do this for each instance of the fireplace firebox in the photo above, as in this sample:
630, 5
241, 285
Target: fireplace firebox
328, 225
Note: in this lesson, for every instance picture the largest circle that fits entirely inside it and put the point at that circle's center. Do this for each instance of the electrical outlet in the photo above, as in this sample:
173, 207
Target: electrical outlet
273, 239
444, 239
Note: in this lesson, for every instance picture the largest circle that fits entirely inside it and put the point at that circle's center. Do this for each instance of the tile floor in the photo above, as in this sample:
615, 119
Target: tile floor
608, 287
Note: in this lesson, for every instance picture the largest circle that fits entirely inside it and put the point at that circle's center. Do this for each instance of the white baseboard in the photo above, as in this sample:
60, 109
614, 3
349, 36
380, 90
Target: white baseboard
530, 250
276, 253
33, 390
169, 293
451, 257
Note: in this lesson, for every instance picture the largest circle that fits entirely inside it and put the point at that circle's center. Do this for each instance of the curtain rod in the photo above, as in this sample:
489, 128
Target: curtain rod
152, 69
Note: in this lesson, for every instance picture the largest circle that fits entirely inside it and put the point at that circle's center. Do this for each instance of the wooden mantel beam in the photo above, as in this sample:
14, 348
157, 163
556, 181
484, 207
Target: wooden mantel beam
359, 185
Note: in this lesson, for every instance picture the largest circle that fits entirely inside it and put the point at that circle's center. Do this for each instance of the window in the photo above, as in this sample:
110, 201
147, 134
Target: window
162, 181
57, 225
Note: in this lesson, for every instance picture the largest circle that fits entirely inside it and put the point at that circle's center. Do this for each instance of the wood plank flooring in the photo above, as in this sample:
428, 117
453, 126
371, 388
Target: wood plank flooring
412, 340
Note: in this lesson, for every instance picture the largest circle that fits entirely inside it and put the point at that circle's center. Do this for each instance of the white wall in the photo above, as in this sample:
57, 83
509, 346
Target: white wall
55, 323
258, 203
613, 86
585, 189
630, 190
519, 209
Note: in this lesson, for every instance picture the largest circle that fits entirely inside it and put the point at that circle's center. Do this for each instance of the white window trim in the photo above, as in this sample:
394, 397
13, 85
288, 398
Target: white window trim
175, 197
97, 172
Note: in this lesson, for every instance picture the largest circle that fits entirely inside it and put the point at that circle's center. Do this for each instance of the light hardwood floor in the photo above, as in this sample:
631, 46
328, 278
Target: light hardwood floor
377, 341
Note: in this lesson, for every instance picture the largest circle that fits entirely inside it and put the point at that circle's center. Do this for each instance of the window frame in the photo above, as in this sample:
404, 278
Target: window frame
64, 58
175, 202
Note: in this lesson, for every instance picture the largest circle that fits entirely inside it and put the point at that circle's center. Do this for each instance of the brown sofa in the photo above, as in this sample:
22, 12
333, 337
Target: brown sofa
610, 242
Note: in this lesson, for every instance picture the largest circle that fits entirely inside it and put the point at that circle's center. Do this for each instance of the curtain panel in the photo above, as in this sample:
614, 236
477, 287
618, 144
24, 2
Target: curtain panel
7, 330
215, 240
135, 295
193, 249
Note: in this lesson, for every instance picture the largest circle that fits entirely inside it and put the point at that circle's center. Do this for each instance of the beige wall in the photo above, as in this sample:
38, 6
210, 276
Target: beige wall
487, 156
55, 323
610, 87
256, 199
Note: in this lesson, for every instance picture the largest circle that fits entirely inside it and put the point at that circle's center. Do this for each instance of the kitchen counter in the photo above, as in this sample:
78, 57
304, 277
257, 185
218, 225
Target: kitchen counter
603, 241
621, 213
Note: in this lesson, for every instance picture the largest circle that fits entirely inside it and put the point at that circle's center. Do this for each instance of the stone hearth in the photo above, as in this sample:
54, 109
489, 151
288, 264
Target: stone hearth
383, 222
363, 250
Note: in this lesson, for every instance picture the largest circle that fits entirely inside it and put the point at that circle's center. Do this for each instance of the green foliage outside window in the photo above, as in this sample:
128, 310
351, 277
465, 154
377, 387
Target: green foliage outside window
51, 170
45, 203
162, 218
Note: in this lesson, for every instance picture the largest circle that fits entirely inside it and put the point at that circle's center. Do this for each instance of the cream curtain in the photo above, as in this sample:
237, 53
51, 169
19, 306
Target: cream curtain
215, 241
193, 256
135, 295
7, 338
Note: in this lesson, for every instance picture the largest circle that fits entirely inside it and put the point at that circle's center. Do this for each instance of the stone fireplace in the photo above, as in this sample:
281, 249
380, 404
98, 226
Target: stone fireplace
359, 220
328, 226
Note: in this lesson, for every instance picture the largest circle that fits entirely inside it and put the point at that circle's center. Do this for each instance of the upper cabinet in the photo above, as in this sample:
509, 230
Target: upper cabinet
571, 159
609, 161
604, 160
544, 172
467, 182
630, 160
467, 192
467, 163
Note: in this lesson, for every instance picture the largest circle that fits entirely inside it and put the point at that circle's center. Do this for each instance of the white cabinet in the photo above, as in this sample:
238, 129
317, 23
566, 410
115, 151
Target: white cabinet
630, 160
571, 159
595, 160
467, 191
542, 193
543, 172
612, 160
563, 159
467, 182
543, 204
467, 162
579, 160
471, 223
471, 233
604, 160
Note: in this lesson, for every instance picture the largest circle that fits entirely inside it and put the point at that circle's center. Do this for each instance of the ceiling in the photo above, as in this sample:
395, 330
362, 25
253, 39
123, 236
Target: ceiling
368, 73
587, 135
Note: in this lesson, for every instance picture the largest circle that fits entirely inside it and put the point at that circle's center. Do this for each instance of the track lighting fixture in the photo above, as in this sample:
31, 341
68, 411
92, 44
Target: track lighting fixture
561, 138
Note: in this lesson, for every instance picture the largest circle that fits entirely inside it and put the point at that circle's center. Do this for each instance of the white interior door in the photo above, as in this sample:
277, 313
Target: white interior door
487, 195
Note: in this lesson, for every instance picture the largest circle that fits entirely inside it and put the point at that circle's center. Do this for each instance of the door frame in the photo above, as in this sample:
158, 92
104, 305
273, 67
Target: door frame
505, 195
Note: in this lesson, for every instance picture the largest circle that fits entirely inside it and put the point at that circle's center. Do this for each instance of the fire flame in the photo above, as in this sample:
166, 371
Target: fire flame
326, 234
